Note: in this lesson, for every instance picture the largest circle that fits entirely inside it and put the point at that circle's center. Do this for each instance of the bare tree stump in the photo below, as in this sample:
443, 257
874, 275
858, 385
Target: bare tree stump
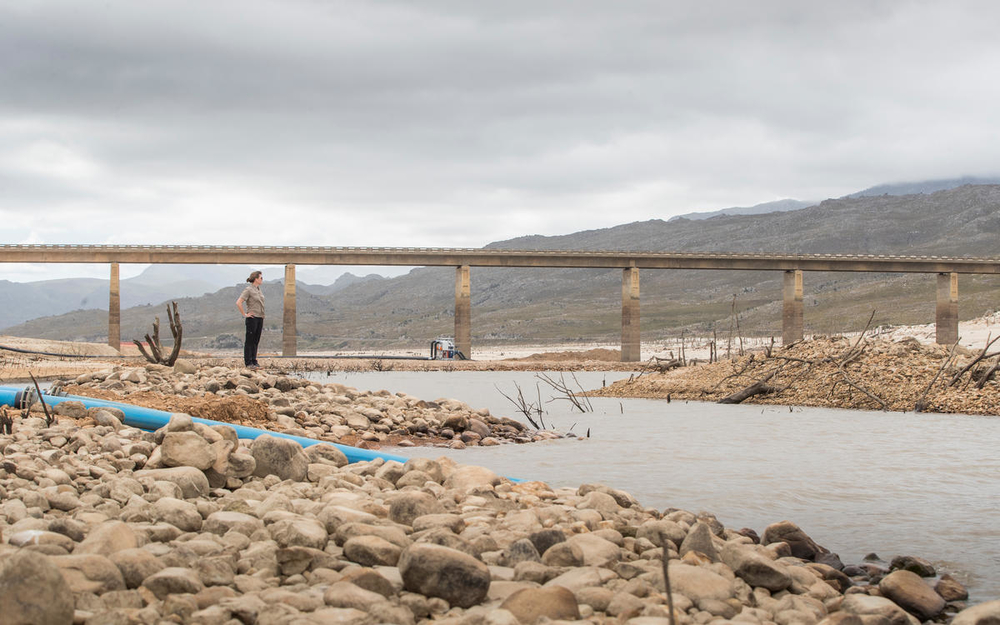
155, 354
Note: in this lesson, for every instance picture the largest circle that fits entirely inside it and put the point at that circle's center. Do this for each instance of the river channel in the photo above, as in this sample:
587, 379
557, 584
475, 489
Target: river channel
857, 482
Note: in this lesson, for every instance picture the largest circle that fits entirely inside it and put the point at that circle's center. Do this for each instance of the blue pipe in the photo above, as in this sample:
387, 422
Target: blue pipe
150, 419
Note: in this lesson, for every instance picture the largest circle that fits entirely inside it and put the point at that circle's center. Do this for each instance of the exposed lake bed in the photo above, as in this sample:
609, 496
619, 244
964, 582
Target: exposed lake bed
614, 485
856, 481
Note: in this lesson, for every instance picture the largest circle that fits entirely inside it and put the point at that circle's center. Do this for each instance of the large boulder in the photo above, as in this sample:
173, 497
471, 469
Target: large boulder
912, 594
281, 457
33, 591
801, 544
521, 550
699, 539
948, 587
408, 505
226, 520
543, 539
186, 449
698, 584
864, 605
554, 602
181, 514
983, 614
90, 573
173, 581
299, 532
136, 565
921, 567
192, 481
754, 568
466, 478
437, 571
661, 532
372, 551
108, 538
596, 550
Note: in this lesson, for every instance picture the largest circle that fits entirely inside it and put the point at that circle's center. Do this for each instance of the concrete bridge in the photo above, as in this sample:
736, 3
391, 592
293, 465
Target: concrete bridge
630, 262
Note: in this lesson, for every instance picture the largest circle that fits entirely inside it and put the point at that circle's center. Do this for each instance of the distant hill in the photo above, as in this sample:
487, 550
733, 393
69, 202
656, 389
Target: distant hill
926, 186
758, 209
157, 283
541, 305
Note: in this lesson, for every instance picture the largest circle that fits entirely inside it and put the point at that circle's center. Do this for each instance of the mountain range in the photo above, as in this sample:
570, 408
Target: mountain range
540, 305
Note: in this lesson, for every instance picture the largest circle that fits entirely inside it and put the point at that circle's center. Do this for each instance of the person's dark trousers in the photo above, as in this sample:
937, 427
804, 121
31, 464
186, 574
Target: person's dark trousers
255, 325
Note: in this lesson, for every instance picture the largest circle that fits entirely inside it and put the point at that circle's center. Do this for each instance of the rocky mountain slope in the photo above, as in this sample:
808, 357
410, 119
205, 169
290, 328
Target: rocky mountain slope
540, 305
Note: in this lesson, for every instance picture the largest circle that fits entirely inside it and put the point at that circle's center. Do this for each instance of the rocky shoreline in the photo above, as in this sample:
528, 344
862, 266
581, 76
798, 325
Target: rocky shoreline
103, 523
285, 403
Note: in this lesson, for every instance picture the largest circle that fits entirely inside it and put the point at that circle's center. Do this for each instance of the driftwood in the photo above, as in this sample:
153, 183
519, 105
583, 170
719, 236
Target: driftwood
760, 387
982, 356
750, 362
854, 352
155, 354
657, 365
856, 386
988, 374
922, 403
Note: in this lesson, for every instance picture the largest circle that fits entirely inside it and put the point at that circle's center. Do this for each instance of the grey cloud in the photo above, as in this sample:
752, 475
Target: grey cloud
487, 116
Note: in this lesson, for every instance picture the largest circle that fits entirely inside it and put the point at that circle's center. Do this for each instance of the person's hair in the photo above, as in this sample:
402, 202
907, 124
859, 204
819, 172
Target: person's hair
253, 276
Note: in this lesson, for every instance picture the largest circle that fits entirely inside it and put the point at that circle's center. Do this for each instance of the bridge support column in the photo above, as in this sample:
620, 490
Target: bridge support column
947, 308
288, 345
630, 315
791, 309
115, 310
463, 311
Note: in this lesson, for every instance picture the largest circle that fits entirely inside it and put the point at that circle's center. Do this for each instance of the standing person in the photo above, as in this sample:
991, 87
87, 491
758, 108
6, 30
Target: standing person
253, 314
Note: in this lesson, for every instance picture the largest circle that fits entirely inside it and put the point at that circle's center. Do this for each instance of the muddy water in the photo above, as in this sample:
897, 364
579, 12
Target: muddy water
857, 482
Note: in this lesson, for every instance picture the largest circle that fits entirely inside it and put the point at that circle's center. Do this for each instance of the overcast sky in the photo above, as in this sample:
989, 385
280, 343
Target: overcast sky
458, 123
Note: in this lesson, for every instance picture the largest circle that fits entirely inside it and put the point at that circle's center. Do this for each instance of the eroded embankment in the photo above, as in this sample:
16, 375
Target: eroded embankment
873, 374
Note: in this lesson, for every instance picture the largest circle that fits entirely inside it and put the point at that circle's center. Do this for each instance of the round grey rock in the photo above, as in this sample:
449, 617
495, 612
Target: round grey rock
437, 571
281, 457
33, 591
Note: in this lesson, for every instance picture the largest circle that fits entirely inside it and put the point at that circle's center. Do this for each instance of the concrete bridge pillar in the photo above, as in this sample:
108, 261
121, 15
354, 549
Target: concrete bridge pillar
115, 310
791, 310
947, 308
288, 346
463, 311
631, 350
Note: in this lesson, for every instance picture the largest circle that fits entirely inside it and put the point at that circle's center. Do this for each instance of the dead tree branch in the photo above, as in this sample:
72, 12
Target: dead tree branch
760, 387
982, 356
921, 404
734, 374
847, 379
850, 354
524, 406
659, 365
579, 401
155, 354
988, 374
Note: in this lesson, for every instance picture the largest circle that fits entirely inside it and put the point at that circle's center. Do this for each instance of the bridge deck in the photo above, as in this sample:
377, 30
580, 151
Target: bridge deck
478, 257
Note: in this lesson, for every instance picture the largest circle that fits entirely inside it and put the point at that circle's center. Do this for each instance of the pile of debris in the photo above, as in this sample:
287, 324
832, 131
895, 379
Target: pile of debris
861, 373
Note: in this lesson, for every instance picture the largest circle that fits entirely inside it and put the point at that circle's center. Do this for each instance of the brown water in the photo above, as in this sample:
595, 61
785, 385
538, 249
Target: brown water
857, 482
